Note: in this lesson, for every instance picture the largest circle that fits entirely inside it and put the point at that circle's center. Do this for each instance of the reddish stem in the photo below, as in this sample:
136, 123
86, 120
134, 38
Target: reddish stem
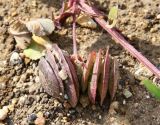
123, 42
74, 36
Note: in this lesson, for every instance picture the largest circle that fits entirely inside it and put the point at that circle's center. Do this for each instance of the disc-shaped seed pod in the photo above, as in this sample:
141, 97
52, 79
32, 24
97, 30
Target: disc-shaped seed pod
87, 70
114, 79
58, 75
48, 78
94, 79
104, 78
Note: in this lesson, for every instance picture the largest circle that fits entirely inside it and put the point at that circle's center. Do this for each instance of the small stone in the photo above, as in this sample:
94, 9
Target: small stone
66, 97
15, 59
22, 100
113, 107
16, 79
3, 86
11, 108
37, 79
3, 113
40, 114
40, 121
154, 29
142, 72
13, 13
99, 117
147, 96
93, 107
32, 118
127, 93
84, 100
158, 16
27, 61
34, 87
14, 101
136, 105
47, 114
63, 74
124, 102
72, 111
66, 105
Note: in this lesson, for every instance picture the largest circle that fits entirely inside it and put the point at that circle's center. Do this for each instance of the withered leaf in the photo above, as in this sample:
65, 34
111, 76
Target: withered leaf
70, 86
114, 79
41, 27
21, 34
86, 21
94, 80
103, 87
49, 79
88, 70
51, 59
23, 41
44, 41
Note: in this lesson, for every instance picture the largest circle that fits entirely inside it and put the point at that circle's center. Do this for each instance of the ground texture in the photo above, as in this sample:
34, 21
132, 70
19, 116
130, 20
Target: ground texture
139, 21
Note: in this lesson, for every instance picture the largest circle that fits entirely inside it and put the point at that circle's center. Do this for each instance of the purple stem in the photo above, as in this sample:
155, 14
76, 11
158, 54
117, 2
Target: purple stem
123, 42
74, 36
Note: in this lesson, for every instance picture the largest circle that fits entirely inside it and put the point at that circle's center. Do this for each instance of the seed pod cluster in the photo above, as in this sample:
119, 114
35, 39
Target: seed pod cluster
59, 76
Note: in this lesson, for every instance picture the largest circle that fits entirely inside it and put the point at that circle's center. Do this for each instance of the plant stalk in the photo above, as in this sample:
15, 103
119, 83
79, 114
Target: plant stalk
123, 42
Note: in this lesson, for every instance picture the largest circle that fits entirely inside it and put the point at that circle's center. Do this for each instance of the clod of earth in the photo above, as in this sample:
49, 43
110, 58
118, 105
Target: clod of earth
58, 75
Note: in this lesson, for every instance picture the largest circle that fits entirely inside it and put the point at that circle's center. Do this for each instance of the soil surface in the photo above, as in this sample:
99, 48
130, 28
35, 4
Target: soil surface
138, 20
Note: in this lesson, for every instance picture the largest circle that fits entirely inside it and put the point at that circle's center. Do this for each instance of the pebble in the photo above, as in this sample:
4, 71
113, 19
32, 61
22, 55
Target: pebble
124, 102
93, 107
15, 59
40, 121
158, 16
142, 72
99, 117
127, 93
66, 105
3, 113
34, 87
31, 118
47, 114
113, 107
84, 100
22, 100
2, 86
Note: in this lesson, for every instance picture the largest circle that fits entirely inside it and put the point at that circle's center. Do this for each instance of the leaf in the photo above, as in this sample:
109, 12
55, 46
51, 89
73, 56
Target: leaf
112, 16
41, 27
152, 88
34, 51
44, 41
105, 77
94, 80
23, 41
88, 70
86, 21
21, 34
48, 78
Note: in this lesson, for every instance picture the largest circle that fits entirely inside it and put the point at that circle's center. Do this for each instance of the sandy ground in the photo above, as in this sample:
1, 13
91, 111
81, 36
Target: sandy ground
138, 20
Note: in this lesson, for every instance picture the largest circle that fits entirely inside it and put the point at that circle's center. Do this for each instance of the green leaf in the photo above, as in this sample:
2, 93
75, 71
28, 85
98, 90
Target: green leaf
112, 16
34, 51
152, 88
